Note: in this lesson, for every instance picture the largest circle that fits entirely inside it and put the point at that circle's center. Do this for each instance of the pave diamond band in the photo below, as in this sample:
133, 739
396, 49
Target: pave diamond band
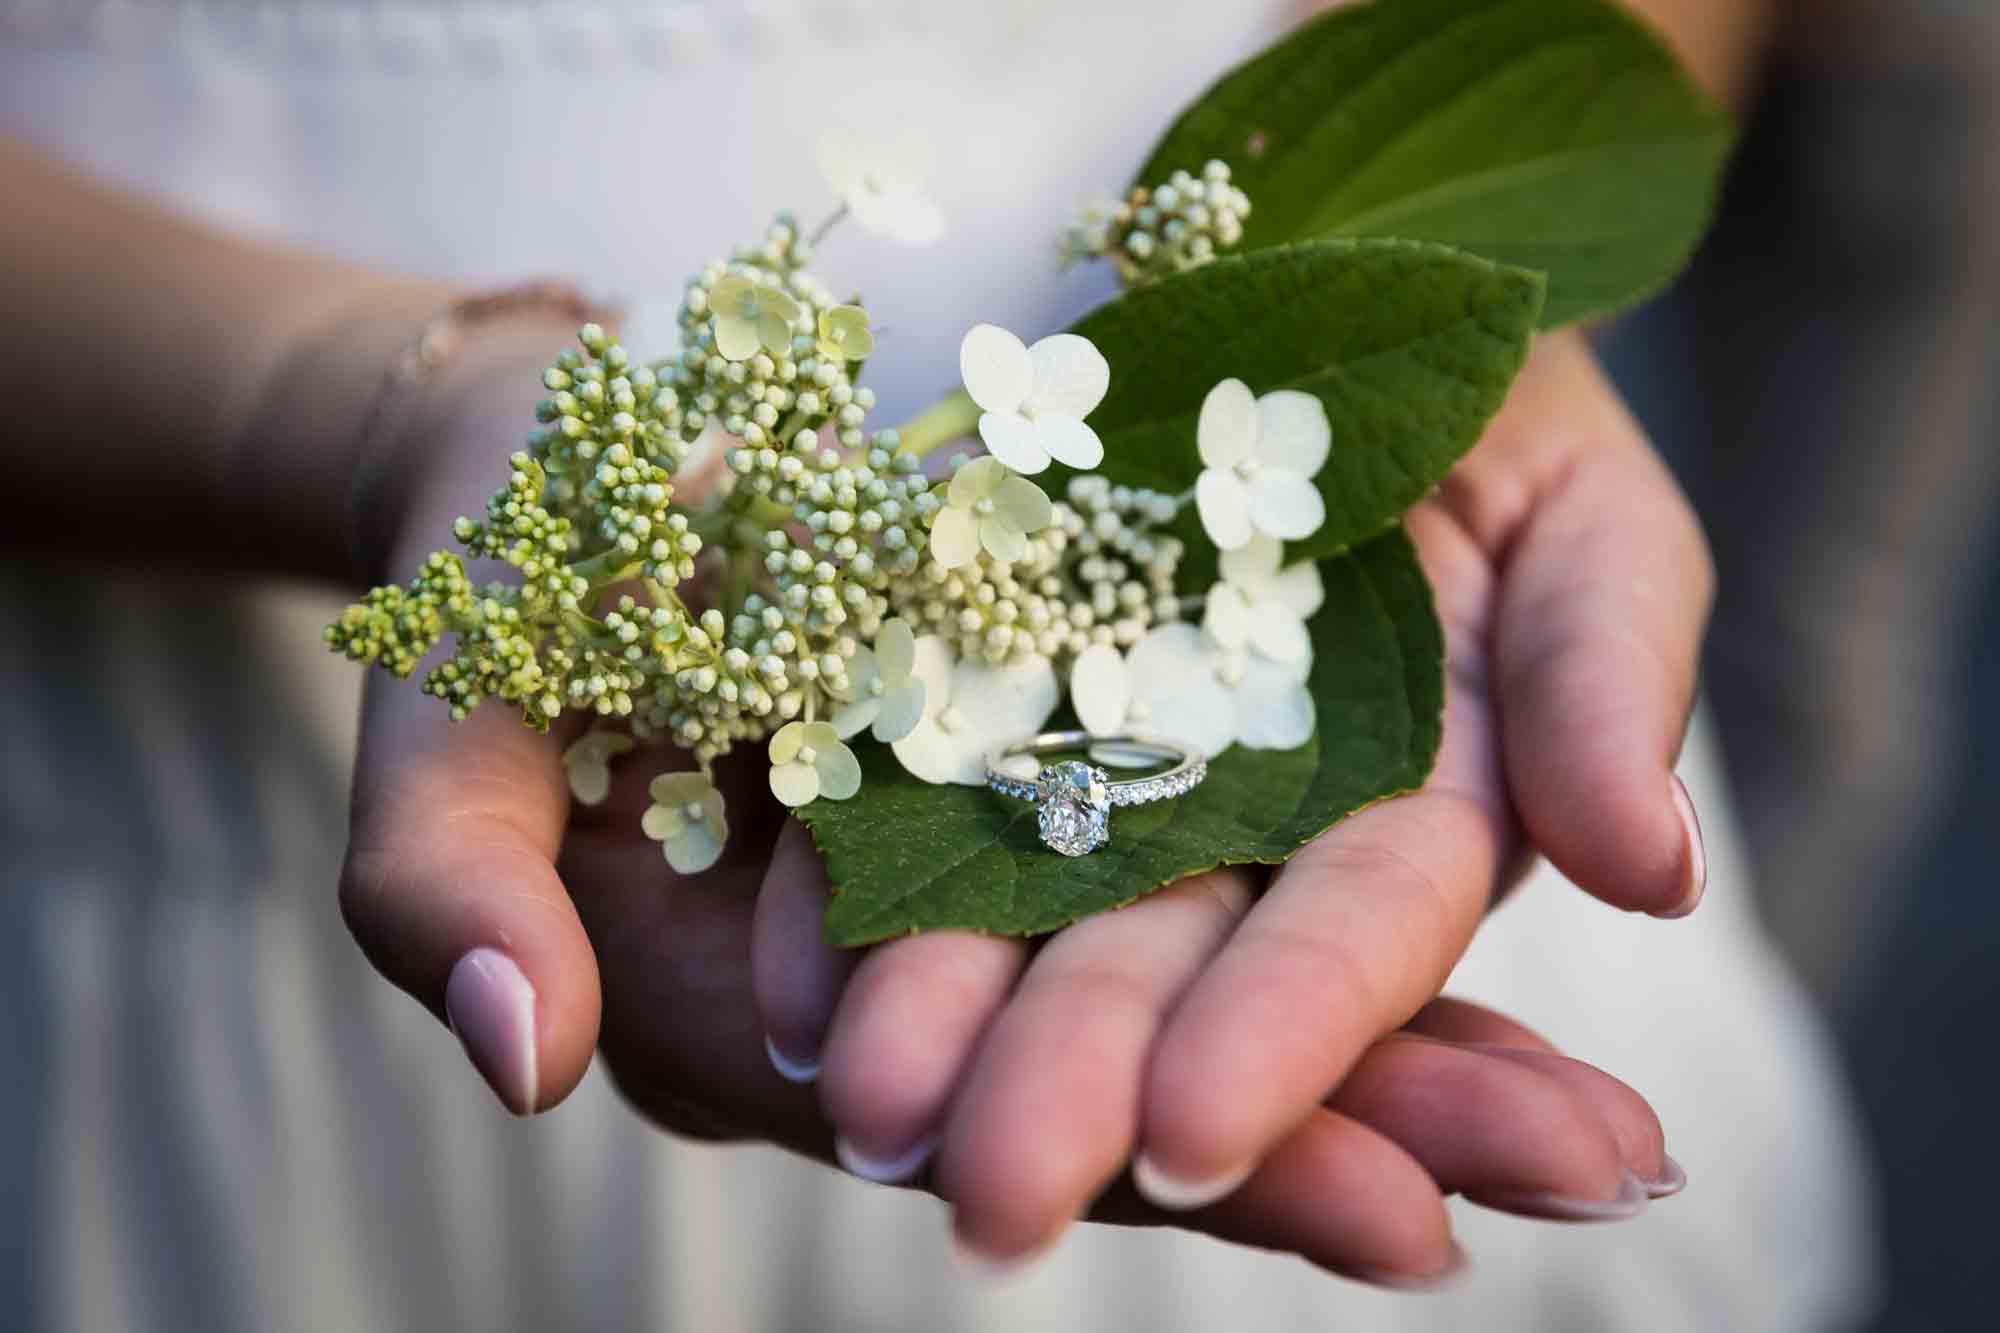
1073, 799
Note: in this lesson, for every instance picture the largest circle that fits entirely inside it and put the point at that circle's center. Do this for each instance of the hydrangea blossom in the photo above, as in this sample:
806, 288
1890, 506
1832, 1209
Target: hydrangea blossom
1178, 683
988, 506
1257, 605
881, 188
883, 691
808, 762
1033, 399
852, 593
751, 315
1259, 456
970, 708
686, 819
844, 334
587, 763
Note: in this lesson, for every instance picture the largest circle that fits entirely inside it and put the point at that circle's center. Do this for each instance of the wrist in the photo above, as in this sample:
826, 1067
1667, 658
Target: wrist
439, 449
404, 403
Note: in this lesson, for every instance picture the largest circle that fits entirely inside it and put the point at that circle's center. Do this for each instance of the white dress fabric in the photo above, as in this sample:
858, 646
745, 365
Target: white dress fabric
220, 1119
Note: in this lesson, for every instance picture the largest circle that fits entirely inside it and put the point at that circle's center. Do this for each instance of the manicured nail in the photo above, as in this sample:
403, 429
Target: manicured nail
1455, 1268
1697, 855
1179, 1195
793, 1070
1673, 1178
884, 1170
491, 1006
1629, 1201
983, 1267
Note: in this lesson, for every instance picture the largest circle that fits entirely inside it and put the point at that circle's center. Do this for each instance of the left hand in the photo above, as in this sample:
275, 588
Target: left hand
1201, 1031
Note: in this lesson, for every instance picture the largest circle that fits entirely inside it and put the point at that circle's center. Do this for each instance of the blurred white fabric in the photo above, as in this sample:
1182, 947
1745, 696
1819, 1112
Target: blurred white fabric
225, 1121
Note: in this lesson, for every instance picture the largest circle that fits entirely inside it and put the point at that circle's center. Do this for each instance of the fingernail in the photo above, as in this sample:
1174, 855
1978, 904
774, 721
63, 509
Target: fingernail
1629, 1201
793, 1070
1180, 1195
1455, 1268
983, 1267
1673, 1178
1697, 855
491, 1006
884, 1170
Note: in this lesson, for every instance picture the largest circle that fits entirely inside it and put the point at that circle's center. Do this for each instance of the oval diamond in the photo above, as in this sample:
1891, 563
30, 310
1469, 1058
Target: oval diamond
1074, 808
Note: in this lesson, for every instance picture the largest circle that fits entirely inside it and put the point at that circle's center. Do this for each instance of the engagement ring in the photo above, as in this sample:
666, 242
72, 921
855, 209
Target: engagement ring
1073, 799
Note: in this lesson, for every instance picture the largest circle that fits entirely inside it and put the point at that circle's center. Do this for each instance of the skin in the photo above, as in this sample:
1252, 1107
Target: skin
1210, 1030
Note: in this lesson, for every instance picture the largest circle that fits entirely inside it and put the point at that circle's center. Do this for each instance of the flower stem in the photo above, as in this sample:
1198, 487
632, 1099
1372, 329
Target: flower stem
832, 220
944, 423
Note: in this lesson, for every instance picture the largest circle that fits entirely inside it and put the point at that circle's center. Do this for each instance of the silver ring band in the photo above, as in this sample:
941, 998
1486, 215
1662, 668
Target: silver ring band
1073, 799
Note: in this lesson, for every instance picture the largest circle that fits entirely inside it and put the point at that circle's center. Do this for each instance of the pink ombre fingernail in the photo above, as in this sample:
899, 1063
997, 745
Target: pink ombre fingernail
491, 1005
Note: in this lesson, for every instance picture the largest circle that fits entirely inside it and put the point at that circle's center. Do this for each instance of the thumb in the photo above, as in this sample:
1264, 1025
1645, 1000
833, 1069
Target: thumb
450, 888
1604, 599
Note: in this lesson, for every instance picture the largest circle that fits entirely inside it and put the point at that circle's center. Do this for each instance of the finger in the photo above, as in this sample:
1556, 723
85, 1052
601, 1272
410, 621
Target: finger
1630, 1117
451, 889
1048, 1112
1461, 1021
1597, 632
797, 976
1357, 932
1494, 1128
902, 1034
1334, 1192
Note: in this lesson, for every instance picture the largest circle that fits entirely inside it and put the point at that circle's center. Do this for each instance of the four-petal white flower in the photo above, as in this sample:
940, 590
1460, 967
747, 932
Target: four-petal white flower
970, 708
1259, 456
881, 188
987, 505
1179, 684
1257, 605
686, 820
808, 761
748, 314
881, 688
1033, 399
844, 334
587, 763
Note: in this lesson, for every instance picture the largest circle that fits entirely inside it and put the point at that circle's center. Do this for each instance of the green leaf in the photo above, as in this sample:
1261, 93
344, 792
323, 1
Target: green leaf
906, 856
1411, 347
1559, 135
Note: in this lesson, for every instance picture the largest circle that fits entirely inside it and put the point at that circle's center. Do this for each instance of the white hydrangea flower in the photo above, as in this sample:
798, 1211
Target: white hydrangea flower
808, 762
844, 334
1259, 456
881, 687
1033, 399
881, 186
748, 315
1257, 605
1179, 684
987, 505
587, 762
686, 819
969, 709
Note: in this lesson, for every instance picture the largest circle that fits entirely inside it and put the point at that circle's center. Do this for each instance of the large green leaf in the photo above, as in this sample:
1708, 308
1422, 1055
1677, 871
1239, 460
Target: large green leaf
1411, 346
906, 856
1559, 135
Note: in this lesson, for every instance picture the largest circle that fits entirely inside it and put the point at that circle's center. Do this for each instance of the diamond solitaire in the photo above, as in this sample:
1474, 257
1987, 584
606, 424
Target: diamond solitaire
1073, 800
1074, 808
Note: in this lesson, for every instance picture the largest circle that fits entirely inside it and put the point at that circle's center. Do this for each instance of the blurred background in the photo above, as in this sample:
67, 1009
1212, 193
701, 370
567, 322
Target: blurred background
1822, 381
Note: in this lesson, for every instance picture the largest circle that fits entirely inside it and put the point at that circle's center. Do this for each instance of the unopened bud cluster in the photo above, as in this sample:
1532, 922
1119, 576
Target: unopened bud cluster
1101, 572
1162, 229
